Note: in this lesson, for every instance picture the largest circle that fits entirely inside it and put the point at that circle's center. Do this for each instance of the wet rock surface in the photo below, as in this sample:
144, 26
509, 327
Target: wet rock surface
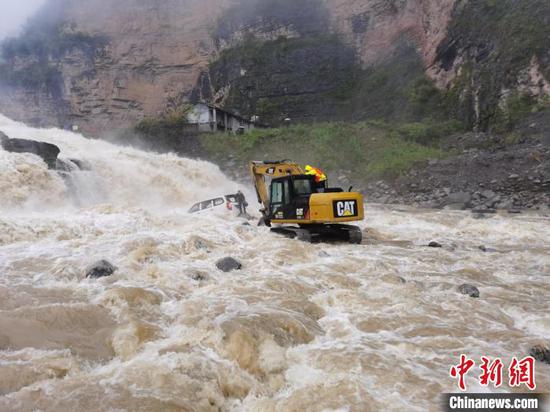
540, 353
100, 269
228, 264
82, 164
48, 152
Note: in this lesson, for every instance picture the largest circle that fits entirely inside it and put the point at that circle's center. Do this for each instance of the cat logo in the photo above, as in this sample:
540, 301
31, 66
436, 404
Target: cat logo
345, 208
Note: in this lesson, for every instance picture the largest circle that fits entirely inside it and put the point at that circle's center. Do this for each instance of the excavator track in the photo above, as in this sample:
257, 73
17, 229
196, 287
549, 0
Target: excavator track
322, 233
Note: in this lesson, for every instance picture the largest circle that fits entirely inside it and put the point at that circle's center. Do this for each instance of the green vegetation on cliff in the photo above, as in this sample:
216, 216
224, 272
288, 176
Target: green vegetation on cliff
314, 76
365, 150
496, 41
287, 77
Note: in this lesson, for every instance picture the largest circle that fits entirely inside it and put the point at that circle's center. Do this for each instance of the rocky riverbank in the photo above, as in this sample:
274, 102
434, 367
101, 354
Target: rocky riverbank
501, 176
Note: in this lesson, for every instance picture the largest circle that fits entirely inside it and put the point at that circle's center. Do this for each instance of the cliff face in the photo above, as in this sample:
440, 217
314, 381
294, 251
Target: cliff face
149, 61
374, 27
495, 60
114, 63
324, 60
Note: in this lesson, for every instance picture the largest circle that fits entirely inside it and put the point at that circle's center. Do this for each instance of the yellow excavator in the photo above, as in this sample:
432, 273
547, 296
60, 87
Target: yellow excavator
294, 197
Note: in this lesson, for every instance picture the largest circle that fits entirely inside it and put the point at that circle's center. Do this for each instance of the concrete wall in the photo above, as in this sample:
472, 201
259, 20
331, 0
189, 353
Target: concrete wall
199, 114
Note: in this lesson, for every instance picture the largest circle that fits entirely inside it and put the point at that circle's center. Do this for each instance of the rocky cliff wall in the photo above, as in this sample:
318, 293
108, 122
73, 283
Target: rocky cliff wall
307, 59
149, 63
375, 27
156, 52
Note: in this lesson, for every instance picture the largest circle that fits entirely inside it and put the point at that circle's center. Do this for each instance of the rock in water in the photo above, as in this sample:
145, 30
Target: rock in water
227, 264
434, 244
48, 152
82, 164
469, 290
540, 353
100, 269
64, 166
484, 248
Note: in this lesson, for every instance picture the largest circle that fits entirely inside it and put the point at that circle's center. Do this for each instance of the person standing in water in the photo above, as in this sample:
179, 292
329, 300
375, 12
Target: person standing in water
241, 202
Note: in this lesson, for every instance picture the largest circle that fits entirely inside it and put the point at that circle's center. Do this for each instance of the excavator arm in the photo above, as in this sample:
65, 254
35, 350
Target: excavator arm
260, 169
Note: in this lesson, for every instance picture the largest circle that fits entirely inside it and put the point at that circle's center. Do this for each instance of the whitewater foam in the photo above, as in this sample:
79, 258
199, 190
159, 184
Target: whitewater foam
372, 326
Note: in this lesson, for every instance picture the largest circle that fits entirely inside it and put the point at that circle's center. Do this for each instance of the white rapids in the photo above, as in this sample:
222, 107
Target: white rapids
301, 327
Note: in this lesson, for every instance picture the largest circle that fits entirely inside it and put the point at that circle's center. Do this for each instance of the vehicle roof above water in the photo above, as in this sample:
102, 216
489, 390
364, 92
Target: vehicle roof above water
211, 203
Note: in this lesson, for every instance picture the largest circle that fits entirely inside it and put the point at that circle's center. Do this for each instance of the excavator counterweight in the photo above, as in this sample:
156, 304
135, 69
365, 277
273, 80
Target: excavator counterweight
297, 198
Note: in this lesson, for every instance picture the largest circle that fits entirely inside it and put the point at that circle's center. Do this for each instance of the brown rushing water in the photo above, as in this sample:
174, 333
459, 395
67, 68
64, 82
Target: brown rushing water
301, 327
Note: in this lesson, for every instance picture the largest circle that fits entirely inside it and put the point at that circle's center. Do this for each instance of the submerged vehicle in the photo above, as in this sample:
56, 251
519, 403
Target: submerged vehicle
211, 204
294, 197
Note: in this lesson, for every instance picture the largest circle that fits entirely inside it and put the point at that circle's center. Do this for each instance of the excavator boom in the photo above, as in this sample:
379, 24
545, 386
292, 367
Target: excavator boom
260, 169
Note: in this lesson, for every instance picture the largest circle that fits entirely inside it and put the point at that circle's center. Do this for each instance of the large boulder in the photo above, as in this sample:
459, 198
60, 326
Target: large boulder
433, 243
48, 152
100, 269
458, 200
227, 264
469, 290
540, 353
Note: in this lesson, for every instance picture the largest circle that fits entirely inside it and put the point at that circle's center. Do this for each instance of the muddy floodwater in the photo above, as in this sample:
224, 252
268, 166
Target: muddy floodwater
301, 327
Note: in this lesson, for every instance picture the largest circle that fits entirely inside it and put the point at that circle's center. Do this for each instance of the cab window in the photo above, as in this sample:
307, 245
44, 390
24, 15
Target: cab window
287, 192
302, 187
277, 193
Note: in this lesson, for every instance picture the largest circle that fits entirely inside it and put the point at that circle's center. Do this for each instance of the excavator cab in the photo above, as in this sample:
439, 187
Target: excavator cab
290, 196
294, 197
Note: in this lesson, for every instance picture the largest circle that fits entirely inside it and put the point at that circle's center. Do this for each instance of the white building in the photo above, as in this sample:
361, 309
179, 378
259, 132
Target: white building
209, 118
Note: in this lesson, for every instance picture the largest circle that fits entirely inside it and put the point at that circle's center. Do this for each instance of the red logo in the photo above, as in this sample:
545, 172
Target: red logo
523, 371
519, 372
461, 370
491, 372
